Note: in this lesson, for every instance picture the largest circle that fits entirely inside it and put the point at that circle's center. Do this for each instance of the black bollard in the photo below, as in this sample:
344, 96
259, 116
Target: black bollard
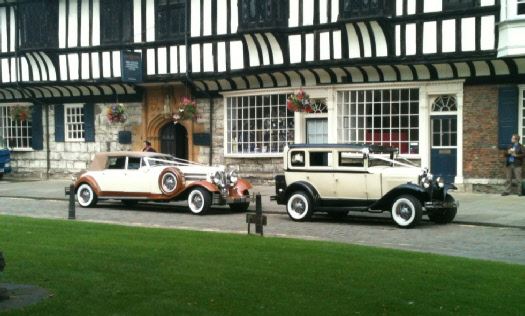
71, 213
258, 215
258, 219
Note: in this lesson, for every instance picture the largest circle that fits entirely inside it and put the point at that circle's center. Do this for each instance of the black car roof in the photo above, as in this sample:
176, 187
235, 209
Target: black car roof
371, 147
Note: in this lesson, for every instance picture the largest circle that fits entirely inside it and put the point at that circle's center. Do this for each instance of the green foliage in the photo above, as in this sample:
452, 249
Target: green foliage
114, 270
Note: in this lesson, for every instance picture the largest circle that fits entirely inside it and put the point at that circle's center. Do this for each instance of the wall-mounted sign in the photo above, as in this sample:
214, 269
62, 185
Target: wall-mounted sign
131, 66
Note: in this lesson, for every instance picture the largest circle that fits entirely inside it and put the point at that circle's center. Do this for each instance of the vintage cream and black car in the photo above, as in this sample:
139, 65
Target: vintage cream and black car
337, 178
146, 176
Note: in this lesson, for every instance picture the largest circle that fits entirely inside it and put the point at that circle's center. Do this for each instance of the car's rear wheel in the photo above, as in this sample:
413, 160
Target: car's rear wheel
241, 207
299, 206
407, 211
446, 215
199, 201
86, 197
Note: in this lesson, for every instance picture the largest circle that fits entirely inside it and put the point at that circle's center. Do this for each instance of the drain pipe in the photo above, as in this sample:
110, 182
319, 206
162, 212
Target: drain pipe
48, 149
211, 129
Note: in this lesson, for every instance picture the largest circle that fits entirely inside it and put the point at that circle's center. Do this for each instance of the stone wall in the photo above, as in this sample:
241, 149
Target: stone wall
67, 158
481, 157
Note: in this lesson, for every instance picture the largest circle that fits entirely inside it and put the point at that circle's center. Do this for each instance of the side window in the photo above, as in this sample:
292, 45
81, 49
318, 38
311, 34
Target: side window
255, 14
521, 7
116, 162
170, 19
133, 163
38, 24
351, 159
320, 159
297, 159
116, 21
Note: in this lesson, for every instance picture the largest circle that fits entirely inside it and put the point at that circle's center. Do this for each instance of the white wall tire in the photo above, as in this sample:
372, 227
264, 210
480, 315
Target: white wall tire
199, 201
299, 206
406, 211
86, 197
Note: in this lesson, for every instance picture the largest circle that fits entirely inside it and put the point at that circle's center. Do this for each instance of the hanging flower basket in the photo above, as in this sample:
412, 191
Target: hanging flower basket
187, 110
117, 113
20, 113
299, 102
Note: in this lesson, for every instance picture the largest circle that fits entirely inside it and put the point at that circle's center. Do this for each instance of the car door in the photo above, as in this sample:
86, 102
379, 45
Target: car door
320, 172
111, 179
350, 176
136, 176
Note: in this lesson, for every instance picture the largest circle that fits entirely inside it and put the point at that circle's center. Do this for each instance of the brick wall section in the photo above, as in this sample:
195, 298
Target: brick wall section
481, 157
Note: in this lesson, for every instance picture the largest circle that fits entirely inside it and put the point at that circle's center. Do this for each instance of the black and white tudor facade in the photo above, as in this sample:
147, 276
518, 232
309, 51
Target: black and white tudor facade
442, 80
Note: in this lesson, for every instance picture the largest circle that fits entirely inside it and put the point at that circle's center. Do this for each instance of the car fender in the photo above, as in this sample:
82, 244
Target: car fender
239, 188
89, 180
408, 188
303, 186
205, 184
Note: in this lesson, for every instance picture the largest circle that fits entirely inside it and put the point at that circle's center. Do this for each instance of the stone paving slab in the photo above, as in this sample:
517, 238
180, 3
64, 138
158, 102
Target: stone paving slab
475, 208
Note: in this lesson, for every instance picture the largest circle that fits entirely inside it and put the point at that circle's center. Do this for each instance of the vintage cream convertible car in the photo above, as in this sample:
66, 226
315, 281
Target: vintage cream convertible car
337, 178
147, 176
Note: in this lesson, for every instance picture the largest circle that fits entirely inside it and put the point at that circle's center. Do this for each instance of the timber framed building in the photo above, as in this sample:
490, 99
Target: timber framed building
442, 80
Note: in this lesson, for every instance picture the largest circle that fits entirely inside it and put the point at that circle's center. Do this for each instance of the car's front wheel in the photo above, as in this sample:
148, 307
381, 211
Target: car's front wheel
199, 201
446, 215
299, 206
86, 197
407, 211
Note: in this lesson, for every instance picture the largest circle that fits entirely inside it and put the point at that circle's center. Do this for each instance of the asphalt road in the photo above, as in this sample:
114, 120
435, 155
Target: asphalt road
472, 241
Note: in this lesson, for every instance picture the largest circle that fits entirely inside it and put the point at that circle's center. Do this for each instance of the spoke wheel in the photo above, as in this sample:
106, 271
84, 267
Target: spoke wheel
407, 211
199, 201
299, 206
86, 197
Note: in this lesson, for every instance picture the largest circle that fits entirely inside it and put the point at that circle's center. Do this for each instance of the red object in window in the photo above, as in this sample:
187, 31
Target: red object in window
394, 139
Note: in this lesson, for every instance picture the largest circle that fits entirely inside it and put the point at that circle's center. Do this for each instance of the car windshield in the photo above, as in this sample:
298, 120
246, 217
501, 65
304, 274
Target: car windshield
161, 161
379, 160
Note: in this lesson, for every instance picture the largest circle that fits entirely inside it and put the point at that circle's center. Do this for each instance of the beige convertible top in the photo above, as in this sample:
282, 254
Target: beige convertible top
100, 160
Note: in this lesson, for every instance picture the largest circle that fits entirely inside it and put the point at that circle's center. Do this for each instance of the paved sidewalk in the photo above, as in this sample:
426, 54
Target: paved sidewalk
475, 208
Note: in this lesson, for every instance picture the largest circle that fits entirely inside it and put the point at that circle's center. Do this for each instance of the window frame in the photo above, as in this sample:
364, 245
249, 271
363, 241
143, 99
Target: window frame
82, 123
520, 4
341, 113
38, 30
161, 24
5, 118
289, 118
278, 16
117, 22
384, 8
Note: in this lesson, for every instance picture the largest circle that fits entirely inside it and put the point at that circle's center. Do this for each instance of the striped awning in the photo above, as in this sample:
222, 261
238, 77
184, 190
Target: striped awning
69, 92
494, 70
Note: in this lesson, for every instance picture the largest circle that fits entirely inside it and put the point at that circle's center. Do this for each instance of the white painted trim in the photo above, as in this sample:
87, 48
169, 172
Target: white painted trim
521, 109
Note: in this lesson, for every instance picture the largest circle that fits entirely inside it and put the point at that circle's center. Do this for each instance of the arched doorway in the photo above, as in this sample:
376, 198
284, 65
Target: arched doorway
174, 140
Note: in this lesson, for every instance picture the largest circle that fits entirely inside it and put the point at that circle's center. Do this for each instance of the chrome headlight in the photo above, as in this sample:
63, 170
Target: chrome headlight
440, 182
7, 165
426, 180
233, 177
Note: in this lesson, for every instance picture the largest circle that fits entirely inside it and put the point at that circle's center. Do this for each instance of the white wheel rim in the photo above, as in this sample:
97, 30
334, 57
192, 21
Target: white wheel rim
297, 206
196, 201
403, 212
169, 182
84, 195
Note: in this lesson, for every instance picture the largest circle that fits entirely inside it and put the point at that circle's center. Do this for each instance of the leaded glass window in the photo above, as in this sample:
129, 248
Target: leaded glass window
258, 124
386, 117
